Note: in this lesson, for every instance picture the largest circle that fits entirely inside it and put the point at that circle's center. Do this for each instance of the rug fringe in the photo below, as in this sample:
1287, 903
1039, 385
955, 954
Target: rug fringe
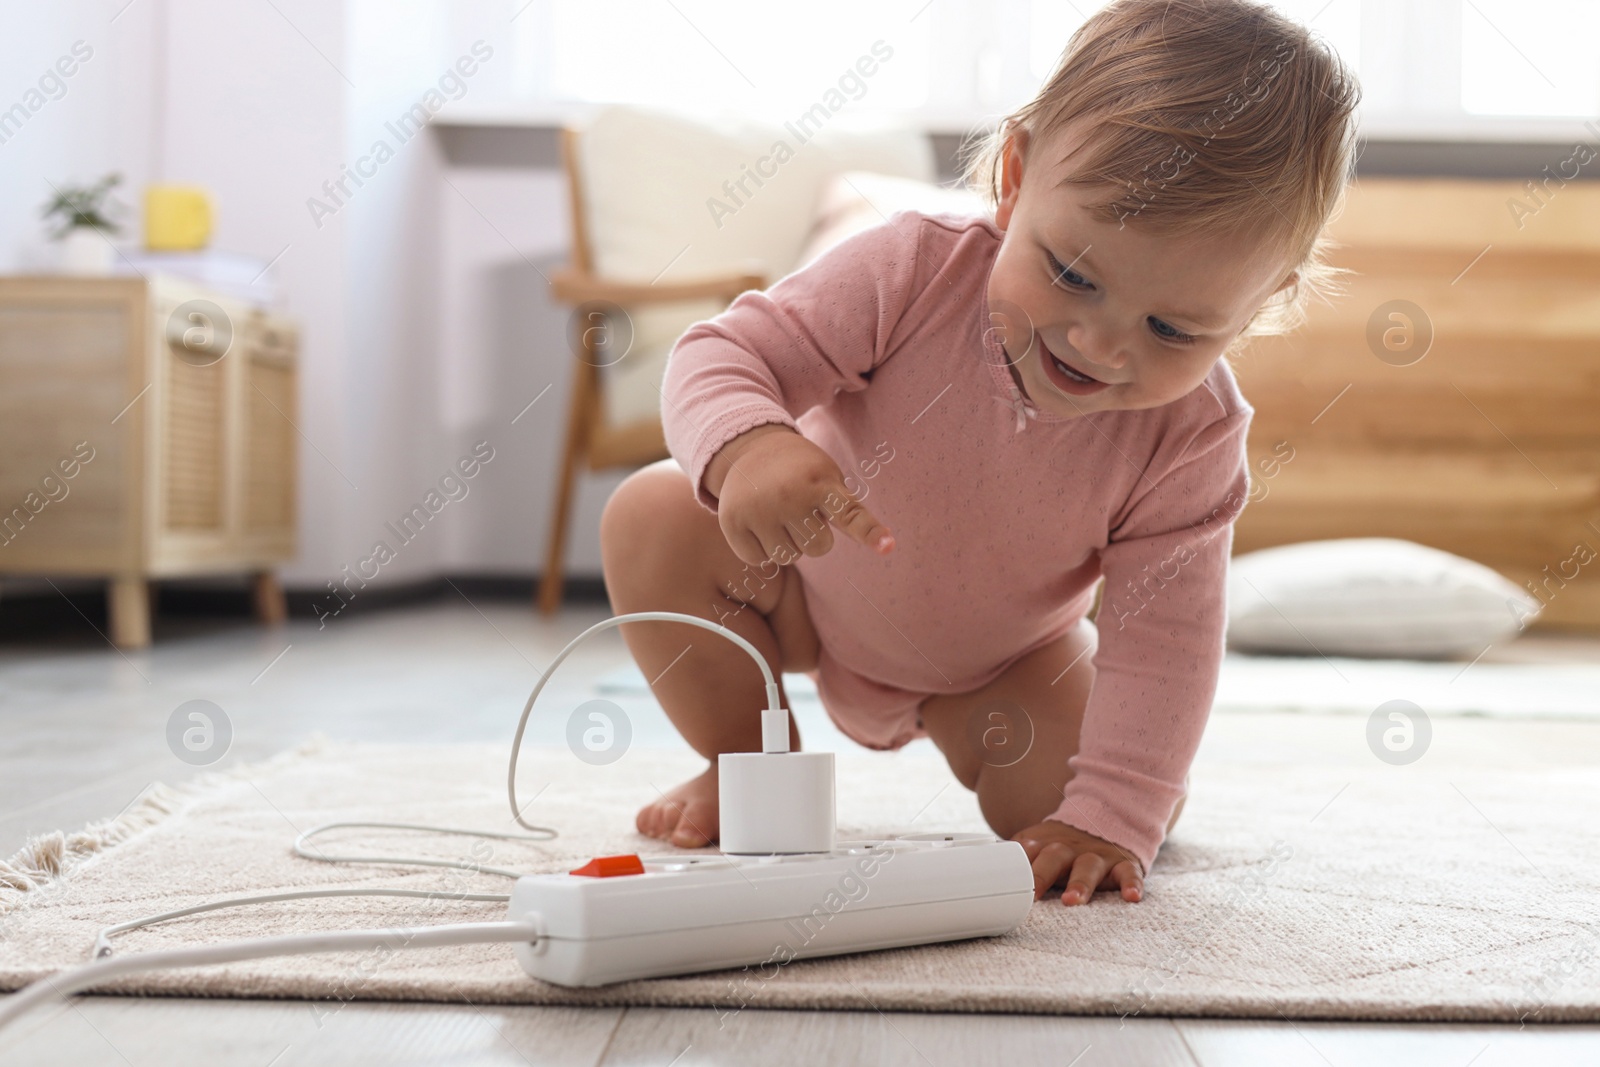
48, 858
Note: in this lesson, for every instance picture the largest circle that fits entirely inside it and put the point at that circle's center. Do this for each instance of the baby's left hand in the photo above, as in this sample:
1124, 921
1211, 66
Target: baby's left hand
1087, 862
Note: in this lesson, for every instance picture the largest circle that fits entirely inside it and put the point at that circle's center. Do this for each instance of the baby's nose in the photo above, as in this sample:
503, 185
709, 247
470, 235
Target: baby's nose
1095, 347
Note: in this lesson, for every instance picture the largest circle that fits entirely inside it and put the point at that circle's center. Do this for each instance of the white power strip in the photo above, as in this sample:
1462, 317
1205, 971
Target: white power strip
626, 917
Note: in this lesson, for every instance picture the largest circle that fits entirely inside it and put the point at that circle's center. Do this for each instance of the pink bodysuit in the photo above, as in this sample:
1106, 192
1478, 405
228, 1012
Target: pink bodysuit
1004, 516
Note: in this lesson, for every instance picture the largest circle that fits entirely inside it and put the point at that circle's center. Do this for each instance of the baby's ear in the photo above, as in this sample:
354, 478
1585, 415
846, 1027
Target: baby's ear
1012, 151
1292, 278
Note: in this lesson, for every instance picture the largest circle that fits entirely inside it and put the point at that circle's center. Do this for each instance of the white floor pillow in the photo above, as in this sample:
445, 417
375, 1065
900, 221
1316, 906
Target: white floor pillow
1372, 597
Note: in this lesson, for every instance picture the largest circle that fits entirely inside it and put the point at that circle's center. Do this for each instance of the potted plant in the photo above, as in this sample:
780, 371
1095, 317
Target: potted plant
80, 218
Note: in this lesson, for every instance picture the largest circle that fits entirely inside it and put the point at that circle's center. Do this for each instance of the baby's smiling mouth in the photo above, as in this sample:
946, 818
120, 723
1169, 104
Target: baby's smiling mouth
1068, 371
1066, 378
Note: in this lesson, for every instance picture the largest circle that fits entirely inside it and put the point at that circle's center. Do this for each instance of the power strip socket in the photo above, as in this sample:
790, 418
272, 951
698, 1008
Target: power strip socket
621, 918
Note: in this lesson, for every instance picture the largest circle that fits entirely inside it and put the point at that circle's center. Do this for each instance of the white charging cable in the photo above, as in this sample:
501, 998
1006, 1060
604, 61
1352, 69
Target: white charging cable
774, 738
303, 850
774, 719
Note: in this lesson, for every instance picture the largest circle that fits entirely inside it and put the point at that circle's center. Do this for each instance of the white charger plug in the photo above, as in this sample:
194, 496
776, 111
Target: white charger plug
772, 801
775, 800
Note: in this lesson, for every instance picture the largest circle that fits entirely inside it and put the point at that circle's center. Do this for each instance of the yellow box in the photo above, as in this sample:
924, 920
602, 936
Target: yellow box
177, 218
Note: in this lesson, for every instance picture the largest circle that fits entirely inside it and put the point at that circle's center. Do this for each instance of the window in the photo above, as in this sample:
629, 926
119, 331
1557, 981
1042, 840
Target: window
1517, 60
714, 55
1429, 68
1053, 21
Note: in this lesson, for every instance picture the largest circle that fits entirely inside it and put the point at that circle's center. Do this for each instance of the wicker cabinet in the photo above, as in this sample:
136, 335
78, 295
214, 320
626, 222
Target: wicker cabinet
147, 431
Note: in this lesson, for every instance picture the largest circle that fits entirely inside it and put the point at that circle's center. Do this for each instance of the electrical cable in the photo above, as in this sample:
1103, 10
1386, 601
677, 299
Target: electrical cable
300, 848
78, 979
102, 942
771, 719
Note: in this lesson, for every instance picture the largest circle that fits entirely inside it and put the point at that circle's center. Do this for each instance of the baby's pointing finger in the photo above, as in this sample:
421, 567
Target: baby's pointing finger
860, 524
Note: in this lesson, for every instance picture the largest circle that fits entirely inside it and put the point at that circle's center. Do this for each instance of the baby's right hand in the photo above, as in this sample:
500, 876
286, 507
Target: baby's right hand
777, 494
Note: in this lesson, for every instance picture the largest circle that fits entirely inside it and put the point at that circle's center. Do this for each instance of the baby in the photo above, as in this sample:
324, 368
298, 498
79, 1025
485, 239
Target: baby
904, 469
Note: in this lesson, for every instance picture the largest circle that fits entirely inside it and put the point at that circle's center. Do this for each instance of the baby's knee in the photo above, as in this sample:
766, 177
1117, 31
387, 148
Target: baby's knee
938, 718
645, 513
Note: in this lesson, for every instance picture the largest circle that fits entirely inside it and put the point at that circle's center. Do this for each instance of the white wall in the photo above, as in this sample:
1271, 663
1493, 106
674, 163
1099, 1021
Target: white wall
452, 332
395, 54
503, 344
99, 121
254, 110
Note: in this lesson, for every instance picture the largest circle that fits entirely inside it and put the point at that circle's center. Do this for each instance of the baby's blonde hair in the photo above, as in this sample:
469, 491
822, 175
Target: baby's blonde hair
1210, 116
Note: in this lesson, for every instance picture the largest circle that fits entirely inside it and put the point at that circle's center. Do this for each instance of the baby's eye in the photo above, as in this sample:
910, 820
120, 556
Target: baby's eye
1168, 332
1071, 279
1060, 274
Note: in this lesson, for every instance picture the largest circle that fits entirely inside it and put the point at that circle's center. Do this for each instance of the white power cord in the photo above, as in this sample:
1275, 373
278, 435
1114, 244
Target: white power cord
102, 943
91, 974
774, 738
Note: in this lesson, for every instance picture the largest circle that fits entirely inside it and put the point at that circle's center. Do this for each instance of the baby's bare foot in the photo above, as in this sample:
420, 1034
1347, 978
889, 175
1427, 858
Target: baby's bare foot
685, 816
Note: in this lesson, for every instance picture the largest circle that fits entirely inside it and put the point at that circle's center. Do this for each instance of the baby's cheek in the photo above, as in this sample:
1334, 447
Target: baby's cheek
1171, 379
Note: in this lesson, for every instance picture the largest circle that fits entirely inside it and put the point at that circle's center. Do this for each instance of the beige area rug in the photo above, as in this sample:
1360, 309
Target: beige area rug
1388, 893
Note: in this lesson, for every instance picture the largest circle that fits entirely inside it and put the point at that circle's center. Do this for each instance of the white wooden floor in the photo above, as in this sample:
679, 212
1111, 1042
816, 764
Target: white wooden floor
82, 731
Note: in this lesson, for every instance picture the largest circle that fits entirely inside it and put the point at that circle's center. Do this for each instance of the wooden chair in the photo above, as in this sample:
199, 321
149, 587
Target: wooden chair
591, 442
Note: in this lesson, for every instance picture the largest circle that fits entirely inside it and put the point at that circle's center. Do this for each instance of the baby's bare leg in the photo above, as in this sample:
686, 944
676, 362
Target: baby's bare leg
663, 552
983, 733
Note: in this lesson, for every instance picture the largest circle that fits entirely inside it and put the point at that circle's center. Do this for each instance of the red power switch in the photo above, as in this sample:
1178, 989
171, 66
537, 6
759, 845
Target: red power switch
610, 866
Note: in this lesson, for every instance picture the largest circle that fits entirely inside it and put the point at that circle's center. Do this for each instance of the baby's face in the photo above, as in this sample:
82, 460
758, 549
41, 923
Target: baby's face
1137, 319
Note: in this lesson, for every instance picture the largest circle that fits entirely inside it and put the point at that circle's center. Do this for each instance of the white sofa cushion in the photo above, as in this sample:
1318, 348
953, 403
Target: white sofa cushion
656, 208
1372, 597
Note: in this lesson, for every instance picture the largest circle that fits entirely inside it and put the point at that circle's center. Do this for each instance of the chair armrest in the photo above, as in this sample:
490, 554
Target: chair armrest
580, 287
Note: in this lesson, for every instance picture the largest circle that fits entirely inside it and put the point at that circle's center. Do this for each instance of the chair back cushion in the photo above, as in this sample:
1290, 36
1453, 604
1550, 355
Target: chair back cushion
672, 198
680, 198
